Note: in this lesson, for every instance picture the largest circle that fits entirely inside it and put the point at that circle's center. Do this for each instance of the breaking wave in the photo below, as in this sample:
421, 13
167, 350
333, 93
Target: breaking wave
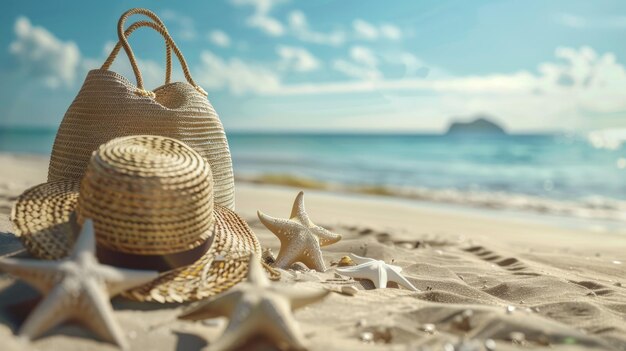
591, 207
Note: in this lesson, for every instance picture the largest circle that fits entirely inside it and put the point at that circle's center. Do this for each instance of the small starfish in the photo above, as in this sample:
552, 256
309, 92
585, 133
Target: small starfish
300, 239
377, 271
77, 288
255, 307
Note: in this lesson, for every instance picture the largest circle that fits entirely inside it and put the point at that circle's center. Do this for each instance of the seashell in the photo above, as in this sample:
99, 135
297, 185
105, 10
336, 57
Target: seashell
345, 261
429, 328
299, 267
378, 334
349, 290
367, 337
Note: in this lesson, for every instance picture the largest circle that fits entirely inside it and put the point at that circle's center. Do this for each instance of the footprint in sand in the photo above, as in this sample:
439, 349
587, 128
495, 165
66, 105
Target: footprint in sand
386, 238
511, 264
595, 289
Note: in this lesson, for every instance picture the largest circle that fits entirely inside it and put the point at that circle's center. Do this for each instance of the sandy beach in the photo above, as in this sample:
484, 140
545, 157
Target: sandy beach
485, 279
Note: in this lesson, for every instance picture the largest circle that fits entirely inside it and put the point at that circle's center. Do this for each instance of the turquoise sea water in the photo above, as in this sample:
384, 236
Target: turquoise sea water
558, 174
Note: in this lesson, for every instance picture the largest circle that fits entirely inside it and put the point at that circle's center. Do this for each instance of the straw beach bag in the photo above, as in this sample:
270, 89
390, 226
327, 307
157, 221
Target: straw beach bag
109, 106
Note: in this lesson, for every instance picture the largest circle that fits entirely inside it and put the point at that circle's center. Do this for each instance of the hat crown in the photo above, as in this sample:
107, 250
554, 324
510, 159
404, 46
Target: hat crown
148, 195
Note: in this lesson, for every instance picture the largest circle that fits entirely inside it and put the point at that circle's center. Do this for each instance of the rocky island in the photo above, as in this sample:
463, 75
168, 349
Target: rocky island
479, 125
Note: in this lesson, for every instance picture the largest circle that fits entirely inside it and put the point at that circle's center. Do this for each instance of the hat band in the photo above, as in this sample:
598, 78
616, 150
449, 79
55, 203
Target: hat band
159, 263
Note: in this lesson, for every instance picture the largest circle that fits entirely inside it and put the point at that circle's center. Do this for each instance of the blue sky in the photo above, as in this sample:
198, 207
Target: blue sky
338, 65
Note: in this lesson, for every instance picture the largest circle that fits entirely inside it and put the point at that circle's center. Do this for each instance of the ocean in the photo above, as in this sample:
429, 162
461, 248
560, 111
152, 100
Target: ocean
560, 174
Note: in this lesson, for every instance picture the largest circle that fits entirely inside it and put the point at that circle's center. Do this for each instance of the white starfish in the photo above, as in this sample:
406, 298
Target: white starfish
77, 288
300, 239
255, 307
377, 271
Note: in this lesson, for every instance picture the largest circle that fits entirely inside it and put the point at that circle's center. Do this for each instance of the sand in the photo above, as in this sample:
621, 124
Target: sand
520, 283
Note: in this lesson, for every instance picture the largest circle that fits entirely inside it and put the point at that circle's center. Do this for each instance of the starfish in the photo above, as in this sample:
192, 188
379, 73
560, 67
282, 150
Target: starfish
377, 271
300, 239
257, 308
77, 288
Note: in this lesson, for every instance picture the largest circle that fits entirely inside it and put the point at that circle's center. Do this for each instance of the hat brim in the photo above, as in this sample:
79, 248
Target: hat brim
44, 222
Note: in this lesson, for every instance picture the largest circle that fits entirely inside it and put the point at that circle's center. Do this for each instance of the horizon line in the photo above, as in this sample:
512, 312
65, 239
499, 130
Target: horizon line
48, 129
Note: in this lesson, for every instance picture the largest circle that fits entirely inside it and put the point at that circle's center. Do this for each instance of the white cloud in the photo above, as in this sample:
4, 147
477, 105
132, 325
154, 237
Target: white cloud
367, 64
365, 30
301, 30
573, 91
297, 19
413, 65
597, 82
581, 72
235, 75
368, 31
185, 25
350, 69
55, 63
577, 88
363, 56
219, 38
496, 84
261, 18
297, 59
269, 25
363, 64
298, 25
390, 31
43, 56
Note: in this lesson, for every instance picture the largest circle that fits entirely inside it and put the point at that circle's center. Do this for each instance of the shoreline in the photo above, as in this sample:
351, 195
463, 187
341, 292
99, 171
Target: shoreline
392, 215
515, 216
483, 204
489, 203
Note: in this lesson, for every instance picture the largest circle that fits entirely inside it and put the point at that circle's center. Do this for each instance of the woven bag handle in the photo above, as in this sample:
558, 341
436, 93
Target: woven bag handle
169, 41
168, 53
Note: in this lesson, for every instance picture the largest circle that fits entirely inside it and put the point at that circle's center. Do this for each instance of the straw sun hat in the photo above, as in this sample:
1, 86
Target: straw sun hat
151, 199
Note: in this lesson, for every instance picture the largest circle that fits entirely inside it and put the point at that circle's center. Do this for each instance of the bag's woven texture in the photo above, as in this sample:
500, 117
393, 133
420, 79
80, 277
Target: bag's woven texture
109, 106
147, 195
